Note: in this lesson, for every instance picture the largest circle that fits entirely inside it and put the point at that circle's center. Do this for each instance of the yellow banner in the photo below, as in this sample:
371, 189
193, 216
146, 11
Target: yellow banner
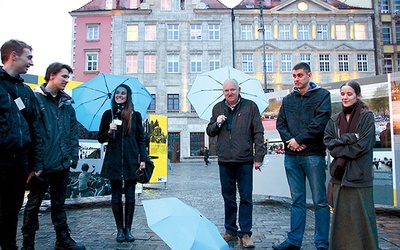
158, 130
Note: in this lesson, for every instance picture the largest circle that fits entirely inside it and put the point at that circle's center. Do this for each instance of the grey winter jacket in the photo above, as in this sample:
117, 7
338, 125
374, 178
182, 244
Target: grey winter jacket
358, 152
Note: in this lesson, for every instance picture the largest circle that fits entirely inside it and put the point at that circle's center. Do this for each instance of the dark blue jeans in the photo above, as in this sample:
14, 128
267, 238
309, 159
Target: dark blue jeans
117, 189
57, 181
242, 176
13, 174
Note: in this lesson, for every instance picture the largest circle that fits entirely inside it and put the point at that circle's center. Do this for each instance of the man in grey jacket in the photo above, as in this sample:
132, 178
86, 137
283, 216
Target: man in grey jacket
237, 123
61, 147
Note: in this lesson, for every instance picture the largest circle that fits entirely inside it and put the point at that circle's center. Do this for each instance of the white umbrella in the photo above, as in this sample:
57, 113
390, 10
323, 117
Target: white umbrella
207, 90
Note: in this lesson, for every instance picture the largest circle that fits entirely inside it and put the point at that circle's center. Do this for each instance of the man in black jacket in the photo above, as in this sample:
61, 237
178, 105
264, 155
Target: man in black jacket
61, 147
237, 123
21, 146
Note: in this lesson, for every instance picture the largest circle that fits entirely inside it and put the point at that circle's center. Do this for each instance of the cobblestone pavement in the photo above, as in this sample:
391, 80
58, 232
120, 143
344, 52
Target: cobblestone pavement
92, 223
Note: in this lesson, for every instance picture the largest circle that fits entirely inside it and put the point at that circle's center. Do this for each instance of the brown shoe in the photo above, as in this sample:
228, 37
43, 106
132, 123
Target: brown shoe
247, 242
228, 237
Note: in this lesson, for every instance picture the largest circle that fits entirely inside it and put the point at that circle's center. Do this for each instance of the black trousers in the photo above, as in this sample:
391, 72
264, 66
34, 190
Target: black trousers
57, 181
13, 174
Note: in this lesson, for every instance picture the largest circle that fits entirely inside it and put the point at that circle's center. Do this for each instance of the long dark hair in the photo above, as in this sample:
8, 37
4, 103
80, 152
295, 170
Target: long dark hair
127, 111
357, 89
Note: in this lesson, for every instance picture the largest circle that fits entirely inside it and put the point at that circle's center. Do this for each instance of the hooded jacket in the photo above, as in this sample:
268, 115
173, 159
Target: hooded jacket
59, 130
19, 126
304, 117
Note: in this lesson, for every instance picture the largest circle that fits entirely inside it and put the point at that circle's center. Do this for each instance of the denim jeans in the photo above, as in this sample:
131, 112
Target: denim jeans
117, 190
242, 174
298, 168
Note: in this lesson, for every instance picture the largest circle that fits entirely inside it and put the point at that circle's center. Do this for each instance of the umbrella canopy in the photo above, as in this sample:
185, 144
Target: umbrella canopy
207, 90
94, 97
181, 226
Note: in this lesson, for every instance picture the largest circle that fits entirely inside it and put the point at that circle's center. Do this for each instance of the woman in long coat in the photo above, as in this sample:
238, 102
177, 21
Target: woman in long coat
350, 138
122, 128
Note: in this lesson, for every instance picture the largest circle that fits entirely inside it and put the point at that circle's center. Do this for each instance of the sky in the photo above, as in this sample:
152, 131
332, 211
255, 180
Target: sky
46, 25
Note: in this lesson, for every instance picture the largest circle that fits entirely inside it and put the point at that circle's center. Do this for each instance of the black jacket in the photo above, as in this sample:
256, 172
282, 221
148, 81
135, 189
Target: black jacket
59, 130
19, 129
122, 153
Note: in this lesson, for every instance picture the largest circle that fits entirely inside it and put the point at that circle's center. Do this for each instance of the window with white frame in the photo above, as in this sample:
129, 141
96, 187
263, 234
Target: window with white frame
213, 32
150, 31
109, 4
131, 63
152, 105
396, 5
247, 63
214, 61
387, 64
173, 63
179, 4
398, 62
150, 63
286, 62
397, 33
303, 31
386, 30
324, 62
284, 31
360, 31
195, 32
246, 32
268, 32
92, 32
306, 57
92, 61
385, 6
132, 32
173, 32
166, 5
269, 62
343, 60
173, 102
195, 63
322, 32
341, 32
362, 62
134, 4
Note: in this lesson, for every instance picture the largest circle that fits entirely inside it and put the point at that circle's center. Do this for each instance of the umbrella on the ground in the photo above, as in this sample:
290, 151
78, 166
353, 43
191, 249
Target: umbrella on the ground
94, 97
207, 90
181, 226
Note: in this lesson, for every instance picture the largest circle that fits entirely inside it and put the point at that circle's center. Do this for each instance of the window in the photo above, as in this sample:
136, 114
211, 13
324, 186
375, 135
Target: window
246, 32
131, 64
269, 62
196, 144
362, 63
360, 32
303, 31
150, 65
152, 105
173, 63
173, 102
92, 32
322, 32
214, 61
286, 62
247, 63
165, 4
387, 64
397, 33
386, 33
150, 32
384, 6
213, 32
134, 4
92, 61
195, 32
306, 57
195, 63
396, 5
179, 4
173, 32
343, 62
268, 32
284, 31
324, 62
341, 32
132, 32
109, 4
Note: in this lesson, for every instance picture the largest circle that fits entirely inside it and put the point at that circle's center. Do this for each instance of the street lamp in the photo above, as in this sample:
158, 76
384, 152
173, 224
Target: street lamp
262, 30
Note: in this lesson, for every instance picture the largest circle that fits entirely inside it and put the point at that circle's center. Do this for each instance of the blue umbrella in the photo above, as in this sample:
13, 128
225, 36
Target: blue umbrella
94, 97
181, 226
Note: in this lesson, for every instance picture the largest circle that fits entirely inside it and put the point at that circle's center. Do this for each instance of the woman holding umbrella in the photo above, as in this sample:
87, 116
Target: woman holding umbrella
121, 126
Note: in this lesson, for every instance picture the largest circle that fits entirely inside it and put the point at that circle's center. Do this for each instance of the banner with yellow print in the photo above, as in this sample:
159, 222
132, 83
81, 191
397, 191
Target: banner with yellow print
158, 134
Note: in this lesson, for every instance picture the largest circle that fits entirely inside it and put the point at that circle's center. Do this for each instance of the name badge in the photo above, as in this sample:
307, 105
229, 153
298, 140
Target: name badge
20, 103
118, 122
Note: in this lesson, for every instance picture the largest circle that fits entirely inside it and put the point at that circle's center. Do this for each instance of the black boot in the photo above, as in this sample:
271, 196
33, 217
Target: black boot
119, 220
29, 241
64, 241
129, 211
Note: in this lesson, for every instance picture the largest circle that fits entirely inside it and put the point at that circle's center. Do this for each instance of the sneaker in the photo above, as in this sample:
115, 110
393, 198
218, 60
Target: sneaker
286, 246
228, 237
247, 242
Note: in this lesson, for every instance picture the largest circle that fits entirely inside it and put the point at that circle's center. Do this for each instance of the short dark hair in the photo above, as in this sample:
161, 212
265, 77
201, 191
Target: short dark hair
13, 45
302, 65
56, 67
85, 167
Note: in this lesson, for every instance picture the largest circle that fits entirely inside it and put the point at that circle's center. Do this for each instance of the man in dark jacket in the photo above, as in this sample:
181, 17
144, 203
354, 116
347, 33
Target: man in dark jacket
21, 146
301, 123
61, 147
237, 123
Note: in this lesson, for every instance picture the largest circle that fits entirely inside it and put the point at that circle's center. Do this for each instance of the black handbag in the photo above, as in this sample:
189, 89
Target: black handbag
144, 175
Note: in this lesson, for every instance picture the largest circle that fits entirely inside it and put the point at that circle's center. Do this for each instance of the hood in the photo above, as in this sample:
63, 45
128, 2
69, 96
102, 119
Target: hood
64, 97
4, 75
313, 87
